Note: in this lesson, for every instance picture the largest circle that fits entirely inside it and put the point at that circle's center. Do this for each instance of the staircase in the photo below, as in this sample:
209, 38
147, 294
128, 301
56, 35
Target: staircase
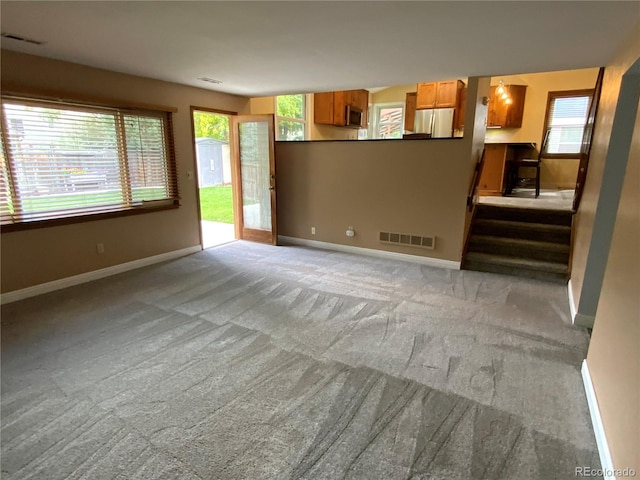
519, 241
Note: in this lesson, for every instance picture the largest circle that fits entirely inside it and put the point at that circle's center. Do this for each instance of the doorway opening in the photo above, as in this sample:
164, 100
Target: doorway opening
215, 190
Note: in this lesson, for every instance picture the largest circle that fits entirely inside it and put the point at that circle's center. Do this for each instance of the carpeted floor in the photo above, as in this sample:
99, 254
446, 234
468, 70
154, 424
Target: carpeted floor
526, 198
256, 362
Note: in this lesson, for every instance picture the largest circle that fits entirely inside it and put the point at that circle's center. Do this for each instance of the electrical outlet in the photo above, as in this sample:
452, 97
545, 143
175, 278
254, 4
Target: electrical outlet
313, 230
100, 248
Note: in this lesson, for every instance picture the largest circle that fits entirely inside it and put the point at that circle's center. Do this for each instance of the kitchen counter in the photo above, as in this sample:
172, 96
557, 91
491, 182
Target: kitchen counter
413, 136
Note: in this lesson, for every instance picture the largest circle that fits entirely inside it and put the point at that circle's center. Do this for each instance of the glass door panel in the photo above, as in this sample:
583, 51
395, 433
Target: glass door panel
255, 169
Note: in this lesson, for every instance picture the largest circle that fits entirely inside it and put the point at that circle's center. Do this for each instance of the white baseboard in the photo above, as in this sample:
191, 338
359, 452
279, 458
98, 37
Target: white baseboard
42, 288
572, 303
432, 262
578, 319
598, 426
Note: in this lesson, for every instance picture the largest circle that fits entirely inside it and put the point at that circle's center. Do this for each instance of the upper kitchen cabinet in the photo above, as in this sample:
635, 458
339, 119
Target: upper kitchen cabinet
506, 115
330, 108
458, 117
438, 94
410, 111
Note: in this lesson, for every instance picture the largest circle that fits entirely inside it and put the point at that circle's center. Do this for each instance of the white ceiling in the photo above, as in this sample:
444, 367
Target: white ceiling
264, 48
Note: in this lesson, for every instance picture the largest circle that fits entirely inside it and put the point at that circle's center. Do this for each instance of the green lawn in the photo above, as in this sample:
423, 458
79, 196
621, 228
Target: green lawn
216, 204
80, 199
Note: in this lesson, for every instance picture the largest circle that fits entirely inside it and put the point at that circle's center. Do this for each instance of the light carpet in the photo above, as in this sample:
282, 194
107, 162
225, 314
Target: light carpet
256, 362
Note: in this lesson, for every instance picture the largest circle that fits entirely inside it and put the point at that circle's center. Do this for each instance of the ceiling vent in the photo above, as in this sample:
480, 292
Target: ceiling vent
12, 36
210, 80
408, 240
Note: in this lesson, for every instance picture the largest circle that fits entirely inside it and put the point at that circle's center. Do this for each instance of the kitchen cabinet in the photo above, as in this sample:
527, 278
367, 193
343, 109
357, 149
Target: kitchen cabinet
496, 156
426, 95
458, 117
438, 94
492, 176
410, 111
502, 115
329, 108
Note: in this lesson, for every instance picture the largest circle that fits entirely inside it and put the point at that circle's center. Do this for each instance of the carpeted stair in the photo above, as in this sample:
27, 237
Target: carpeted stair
519, 241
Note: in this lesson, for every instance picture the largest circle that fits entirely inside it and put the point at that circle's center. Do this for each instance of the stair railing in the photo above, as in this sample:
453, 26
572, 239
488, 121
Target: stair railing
475, 181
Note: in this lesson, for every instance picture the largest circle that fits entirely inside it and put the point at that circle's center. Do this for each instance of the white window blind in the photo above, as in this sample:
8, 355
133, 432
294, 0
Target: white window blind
390, 122
567, 117
62, 160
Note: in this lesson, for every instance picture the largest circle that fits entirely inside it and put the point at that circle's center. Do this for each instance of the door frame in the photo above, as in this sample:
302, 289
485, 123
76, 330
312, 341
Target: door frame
230, 114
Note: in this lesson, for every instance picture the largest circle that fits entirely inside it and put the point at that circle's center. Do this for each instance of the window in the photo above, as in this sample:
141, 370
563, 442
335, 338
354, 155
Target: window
564, 125
291, 111
388, 120
63, 160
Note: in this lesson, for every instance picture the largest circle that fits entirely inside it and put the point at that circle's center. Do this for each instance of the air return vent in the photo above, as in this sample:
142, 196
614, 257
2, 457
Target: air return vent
210, 80
408, 240
13, 36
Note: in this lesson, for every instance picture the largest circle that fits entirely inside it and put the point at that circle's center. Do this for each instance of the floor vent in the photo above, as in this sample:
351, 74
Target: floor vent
408, 240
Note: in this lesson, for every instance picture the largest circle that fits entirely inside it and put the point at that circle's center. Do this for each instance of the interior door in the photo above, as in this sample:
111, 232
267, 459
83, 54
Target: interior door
254, 180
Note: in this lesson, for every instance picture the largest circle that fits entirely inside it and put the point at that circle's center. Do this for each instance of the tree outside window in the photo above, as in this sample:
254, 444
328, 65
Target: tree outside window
291, 117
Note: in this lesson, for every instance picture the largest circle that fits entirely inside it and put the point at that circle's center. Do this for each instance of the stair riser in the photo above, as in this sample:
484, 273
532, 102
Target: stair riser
535, 274
520, 252
563, 237
523, 215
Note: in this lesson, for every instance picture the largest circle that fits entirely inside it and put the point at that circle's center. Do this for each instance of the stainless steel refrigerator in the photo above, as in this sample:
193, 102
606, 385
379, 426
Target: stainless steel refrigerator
435, 121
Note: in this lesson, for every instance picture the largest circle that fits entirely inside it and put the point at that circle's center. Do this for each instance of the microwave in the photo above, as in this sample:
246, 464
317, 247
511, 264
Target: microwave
353, 117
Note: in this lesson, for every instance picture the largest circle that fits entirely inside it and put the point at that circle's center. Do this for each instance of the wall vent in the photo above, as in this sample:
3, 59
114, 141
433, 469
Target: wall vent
12, 36
210, 80
408, 240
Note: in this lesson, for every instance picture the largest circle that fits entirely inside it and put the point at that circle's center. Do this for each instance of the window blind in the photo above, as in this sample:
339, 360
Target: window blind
63, 160
567, 117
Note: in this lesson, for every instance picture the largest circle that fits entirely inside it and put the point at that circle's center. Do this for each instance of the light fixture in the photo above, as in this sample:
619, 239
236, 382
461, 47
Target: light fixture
503, 92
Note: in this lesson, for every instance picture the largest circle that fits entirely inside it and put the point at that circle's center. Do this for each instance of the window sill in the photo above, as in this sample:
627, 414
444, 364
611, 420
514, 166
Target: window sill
82, 218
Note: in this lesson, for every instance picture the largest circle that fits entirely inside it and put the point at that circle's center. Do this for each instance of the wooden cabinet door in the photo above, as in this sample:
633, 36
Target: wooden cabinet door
458, 114
515, 110
410, 111
492, 175
506, 116
323, 108
340, 101
447, 93
362, 102
497, 112
426, 97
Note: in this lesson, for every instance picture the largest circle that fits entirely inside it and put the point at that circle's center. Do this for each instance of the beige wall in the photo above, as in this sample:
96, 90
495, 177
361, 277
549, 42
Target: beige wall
414, 187
400, 186
262, 105
393, 94
554, 173
36, 256
613, 357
